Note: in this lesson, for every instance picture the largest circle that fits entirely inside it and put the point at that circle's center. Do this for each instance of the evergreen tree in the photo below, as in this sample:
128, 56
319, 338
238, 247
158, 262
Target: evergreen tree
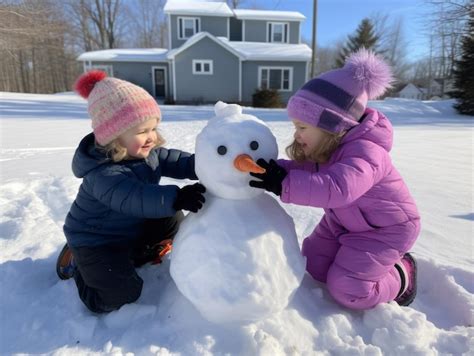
364, 37
464, 72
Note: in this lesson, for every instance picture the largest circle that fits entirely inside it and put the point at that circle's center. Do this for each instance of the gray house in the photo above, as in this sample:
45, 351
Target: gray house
215, 53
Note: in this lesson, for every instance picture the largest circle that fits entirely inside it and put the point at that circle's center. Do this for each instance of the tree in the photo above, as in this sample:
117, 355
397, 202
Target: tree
34, 53
100, 23
464, 72
365, 37
392, 43
147, 24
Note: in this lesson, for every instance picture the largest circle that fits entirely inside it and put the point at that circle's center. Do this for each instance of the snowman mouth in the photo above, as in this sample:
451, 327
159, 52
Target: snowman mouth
245, 163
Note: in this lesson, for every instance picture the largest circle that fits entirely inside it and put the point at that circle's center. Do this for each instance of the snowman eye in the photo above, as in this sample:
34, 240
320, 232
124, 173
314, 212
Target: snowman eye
222, 150
254, 145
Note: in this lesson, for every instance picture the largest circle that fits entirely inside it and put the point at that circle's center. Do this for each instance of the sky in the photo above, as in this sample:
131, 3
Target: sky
339, 18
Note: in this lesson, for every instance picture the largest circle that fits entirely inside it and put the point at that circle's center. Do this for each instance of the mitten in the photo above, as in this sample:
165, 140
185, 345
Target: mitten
271, 179
190, 197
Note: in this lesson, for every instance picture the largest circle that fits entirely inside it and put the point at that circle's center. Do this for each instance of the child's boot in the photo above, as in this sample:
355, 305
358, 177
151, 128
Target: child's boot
65, 265
162, 248
408, 270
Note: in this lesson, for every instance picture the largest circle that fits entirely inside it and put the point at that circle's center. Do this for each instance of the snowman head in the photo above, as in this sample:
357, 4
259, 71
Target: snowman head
227, 149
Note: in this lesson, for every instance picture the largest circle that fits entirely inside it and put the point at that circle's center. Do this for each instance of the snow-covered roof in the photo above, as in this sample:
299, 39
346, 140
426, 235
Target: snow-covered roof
196, 38
268, 15
263, 51
271, 51
202, 8
126, 55
244, 50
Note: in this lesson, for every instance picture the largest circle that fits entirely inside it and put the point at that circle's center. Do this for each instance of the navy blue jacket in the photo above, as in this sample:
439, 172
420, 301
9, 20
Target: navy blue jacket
114, 199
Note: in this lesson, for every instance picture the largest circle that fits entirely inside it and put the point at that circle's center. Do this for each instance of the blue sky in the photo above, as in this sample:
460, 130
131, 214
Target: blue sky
339, 18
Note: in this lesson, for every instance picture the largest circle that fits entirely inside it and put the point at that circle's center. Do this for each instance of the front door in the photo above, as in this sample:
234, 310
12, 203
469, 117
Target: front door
159, 82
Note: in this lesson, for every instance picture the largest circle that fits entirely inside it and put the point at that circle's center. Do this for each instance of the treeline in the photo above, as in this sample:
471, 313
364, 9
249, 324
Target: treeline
41, 39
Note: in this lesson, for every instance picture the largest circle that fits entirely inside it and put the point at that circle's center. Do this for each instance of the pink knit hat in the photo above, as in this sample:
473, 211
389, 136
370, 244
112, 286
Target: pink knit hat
336, 100
114, 105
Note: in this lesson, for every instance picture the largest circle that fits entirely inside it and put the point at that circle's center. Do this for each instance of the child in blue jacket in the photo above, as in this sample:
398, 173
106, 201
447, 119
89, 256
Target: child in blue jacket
121, 217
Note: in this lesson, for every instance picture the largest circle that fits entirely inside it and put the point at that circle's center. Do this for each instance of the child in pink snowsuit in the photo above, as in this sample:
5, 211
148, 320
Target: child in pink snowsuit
341, 163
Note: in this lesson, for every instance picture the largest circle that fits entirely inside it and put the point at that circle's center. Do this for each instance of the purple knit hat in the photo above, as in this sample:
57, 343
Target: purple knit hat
336, 100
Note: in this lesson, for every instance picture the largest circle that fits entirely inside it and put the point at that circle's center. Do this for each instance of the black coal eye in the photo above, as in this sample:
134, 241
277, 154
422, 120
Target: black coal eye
254, 145
222, 150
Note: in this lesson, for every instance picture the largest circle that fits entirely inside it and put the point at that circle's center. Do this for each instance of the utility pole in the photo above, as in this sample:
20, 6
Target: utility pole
313, 42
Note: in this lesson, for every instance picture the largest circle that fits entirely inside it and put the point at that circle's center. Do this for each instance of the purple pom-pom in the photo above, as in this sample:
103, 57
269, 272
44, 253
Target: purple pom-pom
374, 74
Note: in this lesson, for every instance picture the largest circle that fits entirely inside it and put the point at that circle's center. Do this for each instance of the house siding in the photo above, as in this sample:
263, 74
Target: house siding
223, 84
250, 77
256, 31
215, 25
139, 73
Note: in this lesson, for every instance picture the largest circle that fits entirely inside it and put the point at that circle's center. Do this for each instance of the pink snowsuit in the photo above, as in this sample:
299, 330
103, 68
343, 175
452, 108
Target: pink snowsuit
370, 218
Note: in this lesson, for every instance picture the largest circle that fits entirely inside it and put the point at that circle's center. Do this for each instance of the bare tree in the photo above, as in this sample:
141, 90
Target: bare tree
147, 24
33, 47
392, 42
99, 23
446, 21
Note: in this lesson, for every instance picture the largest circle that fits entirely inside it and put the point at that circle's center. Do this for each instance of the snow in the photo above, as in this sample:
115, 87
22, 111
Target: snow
203, 8
268, 15
40, 314
249, 268
126, 55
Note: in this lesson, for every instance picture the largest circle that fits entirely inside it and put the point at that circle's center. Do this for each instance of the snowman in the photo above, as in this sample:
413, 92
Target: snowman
238, 258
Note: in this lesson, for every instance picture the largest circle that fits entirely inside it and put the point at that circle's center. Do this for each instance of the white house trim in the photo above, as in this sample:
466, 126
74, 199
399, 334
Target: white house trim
153, 79
228, 28
202, 62
196, 28
175, 90
169, 32
240, 79
243, 31
290, 78
272, 23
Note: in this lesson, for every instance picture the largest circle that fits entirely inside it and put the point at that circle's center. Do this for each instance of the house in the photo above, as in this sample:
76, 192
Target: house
411, 91
215, 53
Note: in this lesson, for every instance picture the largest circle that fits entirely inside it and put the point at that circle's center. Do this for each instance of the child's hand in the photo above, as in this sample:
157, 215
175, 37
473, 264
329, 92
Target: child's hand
271, 179
190, 198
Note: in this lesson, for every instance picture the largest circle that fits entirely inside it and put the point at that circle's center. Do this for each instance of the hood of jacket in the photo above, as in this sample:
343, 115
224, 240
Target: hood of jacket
374, 127
87, 157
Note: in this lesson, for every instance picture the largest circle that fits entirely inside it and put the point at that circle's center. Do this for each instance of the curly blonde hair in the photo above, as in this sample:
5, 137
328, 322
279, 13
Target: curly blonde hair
116, 152
322, 153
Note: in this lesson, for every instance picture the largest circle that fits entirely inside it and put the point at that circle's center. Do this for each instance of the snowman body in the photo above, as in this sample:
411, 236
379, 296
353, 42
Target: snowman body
238, 258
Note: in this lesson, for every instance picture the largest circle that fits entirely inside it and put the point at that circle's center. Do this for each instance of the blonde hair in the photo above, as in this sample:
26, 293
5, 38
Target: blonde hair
323, 151
116, 152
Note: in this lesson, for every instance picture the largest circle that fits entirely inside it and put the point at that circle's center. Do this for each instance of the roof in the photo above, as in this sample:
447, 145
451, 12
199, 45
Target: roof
203, 8
262, 51
267, 15
126, 55
196, 38
270, 51
257, 51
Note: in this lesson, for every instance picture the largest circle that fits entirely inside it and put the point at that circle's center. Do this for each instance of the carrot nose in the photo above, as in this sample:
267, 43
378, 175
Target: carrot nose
245, 163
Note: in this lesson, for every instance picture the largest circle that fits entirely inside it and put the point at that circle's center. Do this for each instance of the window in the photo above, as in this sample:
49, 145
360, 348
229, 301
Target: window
187, 27
279, 78
277, 32
203, 66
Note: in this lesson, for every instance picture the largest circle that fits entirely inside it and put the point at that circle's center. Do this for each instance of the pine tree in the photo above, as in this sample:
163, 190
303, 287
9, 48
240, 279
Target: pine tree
364, 37
464, 72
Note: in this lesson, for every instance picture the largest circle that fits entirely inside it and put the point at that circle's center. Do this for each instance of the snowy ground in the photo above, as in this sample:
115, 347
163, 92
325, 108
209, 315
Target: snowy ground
40, 314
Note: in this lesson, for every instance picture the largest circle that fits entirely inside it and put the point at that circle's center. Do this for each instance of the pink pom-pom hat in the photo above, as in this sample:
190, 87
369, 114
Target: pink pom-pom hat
114, 105
336, 100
